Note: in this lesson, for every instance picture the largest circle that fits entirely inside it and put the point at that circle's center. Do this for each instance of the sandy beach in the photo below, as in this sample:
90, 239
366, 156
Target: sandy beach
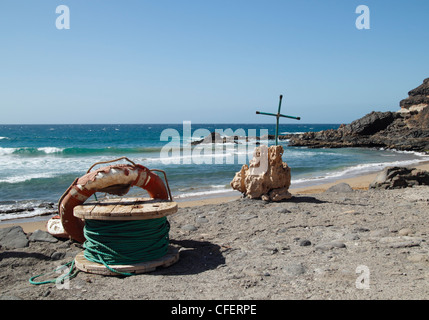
357, 183
360, 244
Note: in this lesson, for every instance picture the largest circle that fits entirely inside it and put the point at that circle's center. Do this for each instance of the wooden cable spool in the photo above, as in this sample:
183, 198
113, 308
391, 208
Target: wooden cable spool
126, 209
123, 209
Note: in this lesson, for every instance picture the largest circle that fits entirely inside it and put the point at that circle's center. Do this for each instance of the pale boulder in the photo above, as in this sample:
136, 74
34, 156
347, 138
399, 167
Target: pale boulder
266, 177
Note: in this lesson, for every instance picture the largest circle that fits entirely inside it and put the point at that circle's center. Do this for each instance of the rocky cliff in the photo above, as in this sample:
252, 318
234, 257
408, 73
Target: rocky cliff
406, 129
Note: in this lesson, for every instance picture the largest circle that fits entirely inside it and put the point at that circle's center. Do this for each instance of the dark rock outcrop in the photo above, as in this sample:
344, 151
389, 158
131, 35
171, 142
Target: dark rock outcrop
400, 177
417, 96
215, 137
407, 129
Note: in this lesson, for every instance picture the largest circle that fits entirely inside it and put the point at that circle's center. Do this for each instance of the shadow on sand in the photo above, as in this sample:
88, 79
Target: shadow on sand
195, 257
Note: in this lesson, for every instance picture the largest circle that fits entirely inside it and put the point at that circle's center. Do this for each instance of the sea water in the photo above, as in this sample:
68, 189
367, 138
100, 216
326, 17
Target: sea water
39, 162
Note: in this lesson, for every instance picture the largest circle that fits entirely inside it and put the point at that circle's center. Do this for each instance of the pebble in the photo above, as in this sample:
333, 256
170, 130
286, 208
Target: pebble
419, 258
294, 269
360, 229
247, 216
304, 243
189, 227
351, 236
330, 245
58, 255
259, 242
380, 233
249, 271
240, 255
201, 219
283, 210
405, 232
294, 207
400, 242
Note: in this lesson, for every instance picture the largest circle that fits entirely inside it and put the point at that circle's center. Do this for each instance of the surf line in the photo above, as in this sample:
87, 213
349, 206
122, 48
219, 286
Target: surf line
180, 150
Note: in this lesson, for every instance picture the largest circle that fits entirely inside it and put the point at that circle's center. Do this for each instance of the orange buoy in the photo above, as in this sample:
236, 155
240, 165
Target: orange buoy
114, 179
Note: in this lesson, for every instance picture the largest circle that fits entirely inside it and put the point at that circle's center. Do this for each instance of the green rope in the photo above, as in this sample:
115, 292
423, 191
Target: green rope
119, 243
61, 279
125, 242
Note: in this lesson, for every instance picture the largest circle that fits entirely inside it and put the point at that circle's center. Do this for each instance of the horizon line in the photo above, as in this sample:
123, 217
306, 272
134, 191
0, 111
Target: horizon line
166, 123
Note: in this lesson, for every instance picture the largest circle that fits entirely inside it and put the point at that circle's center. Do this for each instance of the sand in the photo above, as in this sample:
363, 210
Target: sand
363, 244
358, 183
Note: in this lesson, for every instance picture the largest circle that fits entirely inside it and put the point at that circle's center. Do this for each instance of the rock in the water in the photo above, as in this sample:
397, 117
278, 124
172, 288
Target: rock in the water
266, 177
13, 237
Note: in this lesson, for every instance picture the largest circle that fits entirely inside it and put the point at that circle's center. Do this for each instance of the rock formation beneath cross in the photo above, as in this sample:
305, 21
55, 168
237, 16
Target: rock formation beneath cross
266, 177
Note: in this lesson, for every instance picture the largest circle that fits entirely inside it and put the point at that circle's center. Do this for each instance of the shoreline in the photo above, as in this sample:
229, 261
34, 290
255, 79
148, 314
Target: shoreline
357, 183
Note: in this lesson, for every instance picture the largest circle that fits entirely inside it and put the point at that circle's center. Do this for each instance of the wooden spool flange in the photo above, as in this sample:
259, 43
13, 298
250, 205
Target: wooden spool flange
85, 265
126, 209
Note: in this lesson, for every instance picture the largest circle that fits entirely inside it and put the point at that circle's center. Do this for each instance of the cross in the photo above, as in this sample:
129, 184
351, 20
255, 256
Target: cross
278, 115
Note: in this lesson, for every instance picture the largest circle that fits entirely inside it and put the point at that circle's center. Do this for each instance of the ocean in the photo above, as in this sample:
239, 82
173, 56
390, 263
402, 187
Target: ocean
39, 162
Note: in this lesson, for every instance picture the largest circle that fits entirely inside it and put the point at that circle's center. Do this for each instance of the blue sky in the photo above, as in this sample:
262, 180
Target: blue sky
208, 61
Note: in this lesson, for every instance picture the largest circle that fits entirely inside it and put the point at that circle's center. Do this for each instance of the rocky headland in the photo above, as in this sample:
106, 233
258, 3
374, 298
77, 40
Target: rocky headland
406, 129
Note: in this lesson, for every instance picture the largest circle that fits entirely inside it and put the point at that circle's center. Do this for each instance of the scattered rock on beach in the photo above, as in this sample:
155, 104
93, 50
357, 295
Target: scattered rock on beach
400, 177
13, 237
330, 245
40, 235
189, 227
294, 269
400, 242
340, 187
304, 243
266, 255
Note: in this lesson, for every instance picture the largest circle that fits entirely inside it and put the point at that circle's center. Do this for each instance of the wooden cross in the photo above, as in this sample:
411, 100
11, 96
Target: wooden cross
278, 115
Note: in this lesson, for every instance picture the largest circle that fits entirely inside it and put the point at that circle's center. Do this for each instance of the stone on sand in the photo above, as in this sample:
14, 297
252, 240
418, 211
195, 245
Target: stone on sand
13, 237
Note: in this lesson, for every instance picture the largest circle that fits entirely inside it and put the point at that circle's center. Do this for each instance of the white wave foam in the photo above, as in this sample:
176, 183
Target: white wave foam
24, 214
202, 156
46, 150
216, 189
49, 150
26, 177
6, 151
1, 138
353, 171
288, 132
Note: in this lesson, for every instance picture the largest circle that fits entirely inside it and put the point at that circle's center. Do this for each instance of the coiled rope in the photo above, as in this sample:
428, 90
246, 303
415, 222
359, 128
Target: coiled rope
119, 243
125, 242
